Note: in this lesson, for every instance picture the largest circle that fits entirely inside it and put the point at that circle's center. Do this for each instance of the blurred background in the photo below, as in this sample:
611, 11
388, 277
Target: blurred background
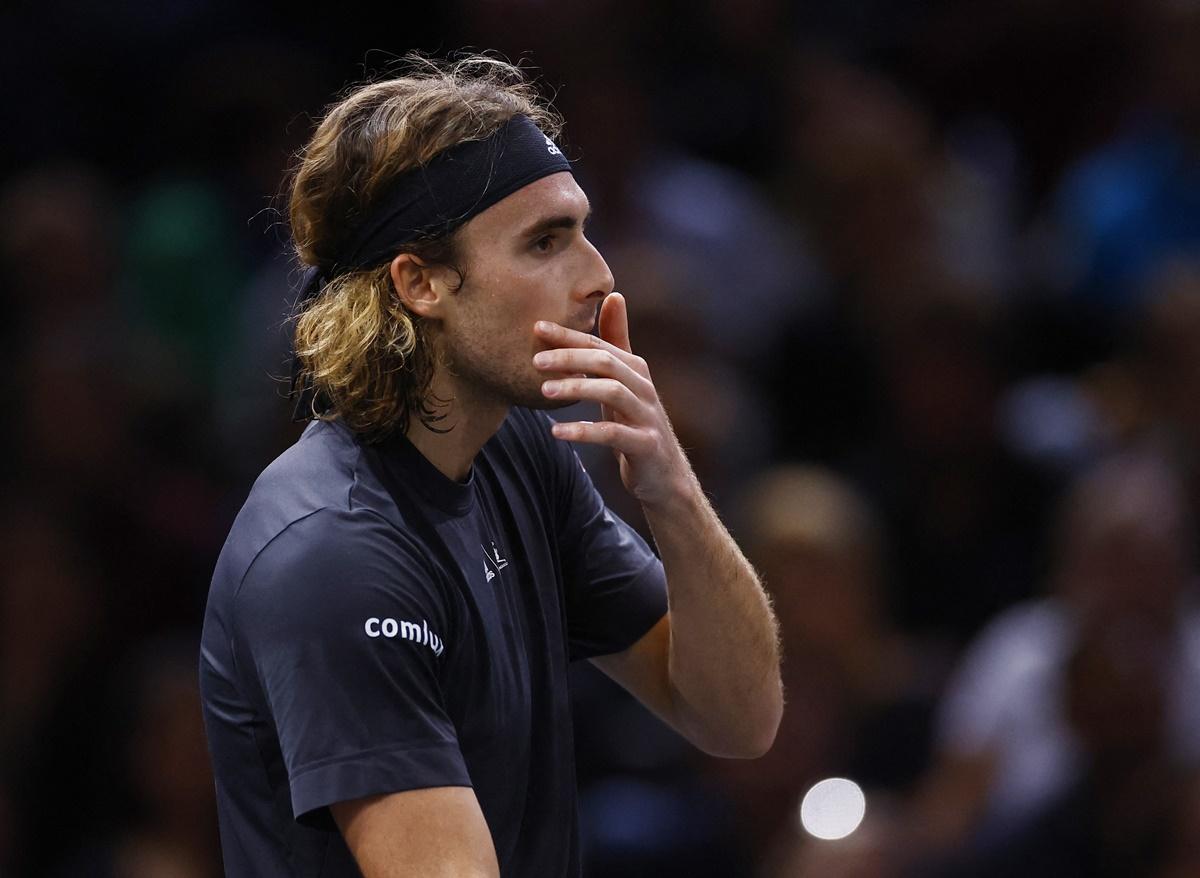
918, 281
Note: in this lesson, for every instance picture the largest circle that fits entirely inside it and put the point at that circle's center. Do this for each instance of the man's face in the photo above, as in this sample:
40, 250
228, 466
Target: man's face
526, 259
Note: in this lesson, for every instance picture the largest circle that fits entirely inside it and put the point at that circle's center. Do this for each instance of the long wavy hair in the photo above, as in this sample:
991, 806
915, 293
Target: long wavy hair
369, 360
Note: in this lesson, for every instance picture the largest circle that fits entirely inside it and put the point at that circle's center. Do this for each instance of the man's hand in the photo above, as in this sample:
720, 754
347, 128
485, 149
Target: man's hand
635, 426
710, 668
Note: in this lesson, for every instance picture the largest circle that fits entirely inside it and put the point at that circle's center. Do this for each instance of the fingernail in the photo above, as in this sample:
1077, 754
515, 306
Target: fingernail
550, 388
542, 358
542, 326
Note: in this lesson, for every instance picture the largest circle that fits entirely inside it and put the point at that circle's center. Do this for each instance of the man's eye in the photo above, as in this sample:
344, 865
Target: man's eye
544, 244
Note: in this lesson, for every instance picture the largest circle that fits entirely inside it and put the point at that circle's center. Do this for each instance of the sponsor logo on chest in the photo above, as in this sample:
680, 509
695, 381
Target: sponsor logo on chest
493, 562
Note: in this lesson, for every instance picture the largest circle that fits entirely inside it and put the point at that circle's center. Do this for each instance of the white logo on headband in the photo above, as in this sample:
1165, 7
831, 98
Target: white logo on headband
551, 148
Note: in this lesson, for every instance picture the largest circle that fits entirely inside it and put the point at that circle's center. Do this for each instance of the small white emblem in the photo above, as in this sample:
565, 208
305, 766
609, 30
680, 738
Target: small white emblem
550, 147
493, 563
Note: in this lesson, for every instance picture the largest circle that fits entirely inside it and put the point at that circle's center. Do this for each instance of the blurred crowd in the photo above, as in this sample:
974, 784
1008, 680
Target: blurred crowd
919, 283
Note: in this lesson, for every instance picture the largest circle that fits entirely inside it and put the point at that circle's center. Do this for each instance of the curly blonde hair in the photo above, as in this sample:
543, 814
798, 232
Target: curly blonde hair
368, 360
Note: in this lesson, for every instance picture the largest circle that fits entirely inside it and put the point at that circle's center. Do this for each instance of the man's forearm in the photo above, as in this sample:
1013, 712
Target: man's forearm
717, 678
724, 650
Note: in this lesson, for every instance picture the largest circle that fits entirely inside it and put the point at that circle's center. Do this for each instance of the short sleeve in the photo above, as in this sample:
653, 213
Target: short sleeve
615, 587
344, 626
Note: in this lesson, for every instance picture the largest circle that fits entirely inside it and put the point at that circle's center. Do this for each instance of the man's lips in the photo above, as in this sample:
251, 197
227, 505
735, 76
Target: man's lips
589, 325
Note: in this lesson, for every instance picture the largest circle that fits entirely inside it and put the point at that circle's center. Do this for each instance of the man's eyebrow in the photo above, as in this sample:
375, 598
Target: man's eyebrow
550, 223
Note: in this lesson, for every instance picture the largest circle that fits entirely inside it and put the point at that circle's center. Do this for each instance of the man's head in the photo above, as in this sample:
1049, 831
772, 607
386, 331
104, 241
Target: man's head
1125, 558
460, 297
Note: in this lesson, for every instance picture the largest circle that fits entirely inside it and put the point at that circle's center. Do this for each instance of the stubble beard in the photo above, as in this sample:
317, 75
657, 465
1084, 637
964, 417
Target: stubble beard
486, 376
484, 368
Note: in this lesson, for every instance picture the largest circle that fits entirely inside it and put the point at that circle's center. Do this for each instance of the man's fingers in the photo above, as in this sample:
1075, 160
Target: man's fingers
614, 321
594, 361
561, 337
606, 391
619, 437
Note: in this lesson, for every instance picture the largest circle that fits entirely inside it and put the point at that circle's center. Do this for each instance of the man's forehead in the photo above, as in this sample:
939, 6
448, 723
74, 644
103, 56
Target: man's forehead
555, 195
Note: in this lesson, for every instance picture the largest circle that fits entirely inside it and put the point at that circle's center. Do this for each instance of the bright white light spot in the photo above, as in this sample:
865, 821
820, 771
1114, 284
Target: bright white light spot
833, 808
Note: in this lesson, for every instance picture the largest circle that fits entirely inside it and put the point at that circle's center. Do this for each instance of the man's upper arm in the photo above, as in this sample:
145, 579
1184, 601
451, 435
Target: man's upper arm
344, 632
436, 833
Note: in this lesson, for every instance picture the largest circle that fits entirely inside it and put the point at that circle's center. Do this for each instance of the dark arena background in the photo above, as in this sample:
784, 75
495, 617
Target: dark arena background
918, 282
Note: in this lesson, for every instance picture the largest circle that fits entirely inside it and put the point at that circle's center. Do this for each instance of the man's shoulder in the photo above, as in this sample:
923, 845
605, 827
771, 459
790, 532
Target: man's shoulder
327, 468
319, 498
316, 470
334, 553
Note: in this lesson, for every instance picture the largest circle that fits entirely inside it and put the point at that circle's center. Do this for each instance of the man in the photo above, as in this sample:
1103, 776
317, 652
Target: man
390, 623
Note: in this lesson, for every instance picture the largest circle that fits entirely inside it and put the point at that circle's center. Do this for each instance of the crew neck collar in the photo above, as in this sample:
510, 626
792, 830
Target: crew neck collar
410, 468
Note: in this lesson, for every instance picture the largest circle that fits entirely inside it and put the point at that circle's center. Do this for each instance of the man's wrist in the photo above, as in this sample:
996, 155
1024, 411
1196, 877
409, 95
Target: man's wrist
683, 497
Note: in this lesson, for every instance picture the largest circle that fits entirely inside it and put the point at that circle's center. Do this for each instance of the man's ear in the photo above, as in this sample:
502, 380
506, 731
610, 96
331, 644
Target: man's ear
422, 287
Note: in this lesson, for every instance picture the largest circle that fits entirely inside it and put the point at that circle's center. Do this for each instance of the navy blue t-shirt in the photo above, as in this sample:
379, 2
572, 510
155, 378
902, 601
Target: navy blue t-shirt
375, 627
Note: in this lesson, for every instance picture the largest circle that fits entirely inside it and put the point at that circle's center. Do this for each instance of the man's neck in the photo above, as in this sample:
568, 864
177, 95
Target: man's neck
470, 422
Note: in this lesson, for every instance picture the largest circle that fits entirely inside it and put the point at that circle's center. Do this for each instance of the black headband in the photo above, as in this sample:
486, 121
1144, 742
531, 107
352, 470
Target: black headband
454, 186
435, 199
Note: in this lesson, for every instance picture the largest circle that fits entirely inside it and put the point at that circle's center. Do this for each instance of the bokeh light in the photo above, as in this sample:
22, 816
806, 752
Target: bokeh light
833, 808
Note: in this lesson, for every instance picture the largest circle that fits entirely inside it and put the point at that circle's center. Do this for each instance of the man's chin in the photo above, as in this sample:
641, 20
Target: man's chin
530, 396
544, 404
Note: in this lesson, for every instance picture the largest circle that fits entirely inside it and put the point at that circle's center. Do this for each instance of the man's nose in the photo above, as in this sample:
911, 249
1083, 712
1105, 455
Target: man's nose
597, 281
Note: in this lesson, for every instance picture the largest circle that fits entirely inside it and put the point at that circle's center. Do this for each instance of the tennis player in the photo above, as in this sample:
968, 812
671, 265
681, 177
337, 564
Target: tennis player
386, 644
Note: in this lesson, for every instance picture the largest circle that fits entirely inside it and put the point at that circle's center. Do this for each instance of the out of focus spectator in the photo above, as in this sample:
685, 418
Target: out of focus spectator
860, 693
896, 376
1023, 723
1166, 368
52, 632
1119, 816
966, 516
1136, 200
166, 827
58, 244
